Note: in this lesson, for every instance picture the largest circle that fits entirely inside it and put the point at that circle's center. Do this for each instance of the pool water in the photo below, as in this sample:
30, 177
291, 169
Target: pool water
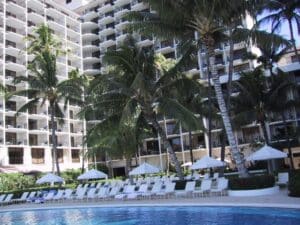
154, 216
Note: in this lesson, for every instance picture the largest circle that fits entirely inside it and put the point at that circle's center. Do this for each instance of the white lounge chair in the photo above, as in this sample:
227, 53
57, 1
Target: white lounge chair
7, 199
129, 189
59, 195
80, 194
143, 189
222, 185
189, 188
2, 197
91, 194
31, 196
68, 194
156, 188
114, 191
283, 179
216, 176
168, 191
22, 198
102, 193
49, 196
204, 188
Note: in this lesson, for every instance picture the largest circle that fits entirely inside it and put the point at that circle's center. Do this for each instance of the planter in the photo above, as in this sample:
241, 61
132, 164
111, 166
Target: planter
255, 192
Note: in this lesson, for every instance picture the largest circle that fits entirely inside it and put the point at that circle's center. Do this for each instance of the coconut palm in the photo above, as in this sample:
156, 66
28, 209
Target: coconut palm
138, 86
272, 48
180, 19
281, 11
43, 84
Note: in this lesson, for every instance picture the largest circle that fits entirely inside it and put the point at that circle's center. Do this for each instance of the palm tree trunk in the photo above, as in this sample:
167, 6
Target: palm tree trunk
167, 145
264, 128
209, 109
292, 166
230, 68
223, 148
53, 137
293, 40
238, 158
191, 147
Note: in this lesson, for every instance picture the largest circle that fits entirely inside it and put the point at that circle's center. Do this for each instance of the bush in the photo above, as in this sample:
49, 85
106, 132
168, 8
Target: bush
250, 183
15, 181
294, 184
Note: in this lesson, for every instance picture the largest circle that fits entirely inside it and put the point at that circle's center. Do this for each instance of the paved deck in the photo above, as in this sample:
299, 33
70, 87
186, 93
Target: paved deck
278, 200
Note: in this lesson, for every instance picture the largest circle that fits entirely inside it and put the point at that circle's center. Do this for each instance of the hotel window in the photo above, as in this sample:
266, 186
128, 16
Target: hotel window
60, 155
15, 155
33, 139
38, 155
75, 155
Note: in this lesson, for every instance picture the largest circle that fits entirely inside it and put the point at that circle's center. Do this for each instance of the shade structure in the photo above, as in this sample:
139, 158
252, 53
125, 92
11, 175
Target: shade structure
50, 178
144, 168
266, 153
207, 162
92, 174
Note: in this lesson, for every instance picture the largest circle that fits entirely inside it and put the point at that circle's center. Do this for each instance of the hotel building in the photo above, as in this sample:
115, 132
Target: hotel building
25, 143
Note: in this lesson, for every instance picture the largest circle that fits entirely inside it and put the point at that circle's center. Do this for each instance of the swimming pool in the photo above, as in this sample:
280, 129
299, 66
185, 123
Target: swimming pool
153, 216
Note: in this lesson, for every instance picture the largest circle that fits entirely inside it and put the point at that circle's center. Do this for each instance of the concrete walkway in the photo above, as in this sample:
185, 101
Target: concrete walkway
278, 200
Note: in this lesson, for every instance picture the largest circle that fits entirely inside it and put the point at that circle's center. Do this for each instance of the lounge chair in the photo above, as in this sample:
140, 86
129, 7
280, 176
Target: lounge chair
23, 198
189, 188
68, 194
59, 195
102, 193
31, 196
216, 176
2, 197
222, 185
283, 179
7, 200
168, 191
204, 188
49, 196
143, 189
129, 189
91, 194
114, 191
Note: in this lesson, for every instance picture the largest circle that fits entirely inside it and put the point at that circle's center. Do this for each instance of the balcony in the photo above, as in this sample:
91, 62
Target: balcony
145, 42
90, 37
107, 31
119, 3
138, 6
90, 15
107, 43
15, 66
12, 6
121, 13
16, 22
105, 20
35, 4
122, 25
89, 25
105, 8
35, 18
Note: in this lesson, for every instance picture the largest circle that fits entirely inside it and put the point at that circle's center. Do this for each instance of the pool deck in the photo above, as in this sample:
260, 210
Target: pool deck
280, 200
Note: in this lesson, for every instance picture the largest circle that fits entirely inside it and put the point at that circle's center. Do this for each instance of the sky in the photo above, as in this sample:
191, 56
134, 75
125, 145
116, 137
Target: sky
285, 31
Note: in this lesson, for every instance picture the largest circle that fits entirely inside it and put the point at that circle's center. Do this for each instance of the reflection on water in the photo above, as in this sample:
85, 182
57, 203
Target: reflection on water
154, 216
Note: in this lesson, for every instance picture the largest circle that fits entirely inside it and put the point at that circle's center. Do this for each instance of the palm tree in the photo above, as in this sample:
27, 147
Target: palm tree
280, 12
43, 85
181, 19
272, 48
138, 87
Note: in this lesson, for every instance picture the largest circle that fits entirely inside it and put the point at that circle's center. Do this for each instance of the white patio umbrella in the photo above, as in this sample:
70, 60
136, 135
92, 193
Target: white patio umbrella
50, 178
92, 174
144, 168
187, 164
207, 162
266, 153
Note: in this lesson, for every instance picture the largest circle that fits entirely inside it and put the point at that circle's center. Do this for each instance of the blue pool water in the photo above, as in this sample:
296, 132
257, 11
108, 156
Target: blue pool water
154, 216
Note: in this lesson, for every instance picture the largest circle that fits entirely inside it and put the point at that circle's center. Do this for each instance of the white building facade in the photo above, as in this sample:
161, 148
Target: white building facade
25, 143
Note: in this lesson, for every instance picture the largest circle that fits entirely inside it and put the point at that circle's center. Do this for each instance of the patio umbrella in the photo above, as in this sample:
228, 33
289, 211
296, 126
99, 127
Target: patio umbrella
144, 168
266, 153
187, 164
207, 162
50, 178
92, 174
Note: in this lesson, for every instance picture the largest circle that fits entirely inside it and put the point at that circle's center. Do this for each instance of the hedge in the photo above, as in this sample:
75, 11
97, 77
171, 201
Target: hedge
250, 183
294, 183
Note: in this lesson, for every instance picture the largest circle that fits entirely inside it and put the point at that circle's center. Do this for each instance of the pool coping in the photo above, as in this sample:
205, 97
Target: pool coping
49, 206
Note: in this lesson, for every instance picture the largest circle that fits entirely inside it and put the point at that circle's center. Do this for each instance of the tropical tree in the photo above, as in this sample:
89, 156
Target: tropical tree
43, 85
181, 19
272, 48
281, 11
138, 86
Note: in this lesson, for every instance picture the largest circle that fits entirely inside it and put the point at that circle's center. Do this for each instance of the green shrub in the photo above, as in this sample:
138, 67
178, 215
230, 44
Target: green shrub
250, 183
15, 181
70, 176
180, 184
294, 184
